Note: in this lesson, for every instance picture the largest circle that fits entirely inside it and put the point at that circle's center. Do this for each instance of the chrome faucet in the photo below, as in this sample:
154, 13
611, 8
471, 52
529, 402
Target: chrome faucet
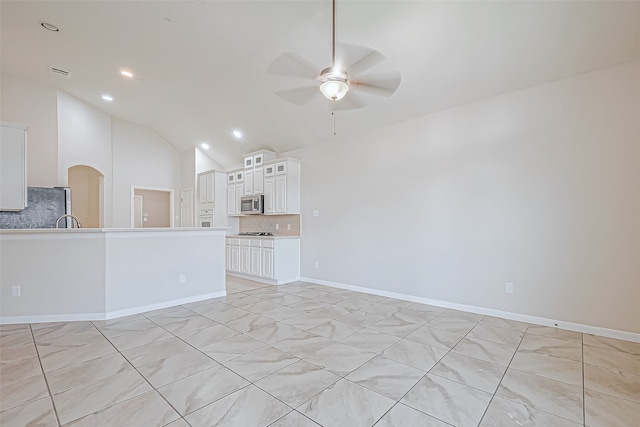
73, 218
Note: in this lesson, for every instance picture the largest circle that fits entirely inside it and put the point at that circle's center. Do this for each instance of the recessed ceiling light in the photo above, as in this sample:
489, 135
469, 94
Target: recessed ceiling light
205, 146
237, 134
126, 73
49, 27
107, 98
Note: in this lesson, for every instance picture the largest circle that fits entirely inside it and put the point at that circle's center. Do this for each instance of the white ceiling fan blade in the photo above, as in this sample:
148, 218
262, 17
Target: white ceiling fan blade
377, 85
357, 59
299, 95
351, 101
292, 65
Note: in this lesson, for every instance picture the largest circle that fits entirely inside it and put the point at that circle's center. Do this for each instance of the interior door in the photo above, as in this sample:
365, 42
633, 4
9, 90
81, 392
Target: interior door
186, 208
137, 211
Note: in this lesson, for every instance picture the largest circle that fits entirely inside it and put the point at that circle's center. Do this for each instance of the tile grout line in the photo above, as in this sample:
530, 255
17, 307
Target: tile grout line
584, 398
503, 375
46, 381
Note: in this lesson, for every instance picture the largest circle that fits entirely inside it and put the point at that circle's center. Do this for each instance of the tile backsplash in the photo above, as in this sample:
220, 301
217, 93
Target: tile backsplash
268, 223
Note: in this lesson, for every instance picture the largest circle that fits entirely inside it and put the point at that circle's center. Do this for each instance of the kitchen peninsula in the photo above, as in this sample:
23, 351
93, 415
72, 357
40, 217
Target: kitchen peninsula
95, 274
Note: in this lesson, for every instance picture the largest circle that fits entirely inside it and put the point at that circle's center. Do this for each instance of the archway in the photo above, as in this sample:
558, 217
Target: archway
87, 195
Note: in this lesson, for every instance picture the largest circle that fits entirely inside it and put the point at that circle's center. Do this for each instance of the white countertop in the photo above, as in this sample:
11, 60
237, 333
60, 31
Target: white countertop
238, 236
111, 230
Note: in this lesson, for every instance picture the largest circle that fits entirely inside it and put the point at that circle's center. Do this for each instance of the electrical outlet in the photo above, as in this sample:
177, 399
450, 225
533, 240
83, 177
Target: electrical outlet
288, 226
15, 291
316, 264
316, 213
277, 226
508, 288
183, 279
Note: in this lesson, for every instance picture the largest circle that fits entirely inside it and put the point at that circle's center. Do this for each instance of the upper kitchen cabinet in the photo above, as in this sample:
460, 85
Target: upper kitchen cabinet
258, 158
254, 171
13, 167
206, 187
235, 191
282, 187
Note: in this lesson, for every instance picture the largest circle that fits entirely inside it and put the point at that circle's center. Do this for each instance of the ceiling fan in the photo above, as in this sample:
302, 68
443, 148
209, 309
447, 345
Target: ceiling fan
335, 81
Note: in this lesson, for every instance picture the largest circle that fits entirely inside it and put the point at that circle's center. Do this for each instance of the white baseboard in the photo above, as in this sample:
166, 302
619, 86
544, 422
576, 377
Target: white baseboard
46, 318
577, 327
275, 282
142, 309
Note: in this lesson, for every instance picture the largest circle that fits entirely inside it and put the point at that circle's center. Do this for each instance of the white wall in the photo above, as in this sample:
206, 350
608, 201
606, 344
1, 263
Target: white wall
84, 138
62, 276
144, 268
34, 105
539, 187
91, 274
141, 158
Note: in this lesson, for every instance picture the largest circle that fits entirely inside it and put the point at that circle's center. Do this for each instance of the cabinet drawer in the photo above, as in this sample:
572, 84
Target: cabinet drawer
256, 243
233, 242
267, 243
245, 242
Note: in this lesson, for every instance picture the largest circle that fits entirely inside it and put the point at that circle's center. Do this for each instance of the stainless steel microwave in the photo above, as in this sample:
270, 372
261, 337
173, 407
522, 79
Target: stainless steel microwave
252, 205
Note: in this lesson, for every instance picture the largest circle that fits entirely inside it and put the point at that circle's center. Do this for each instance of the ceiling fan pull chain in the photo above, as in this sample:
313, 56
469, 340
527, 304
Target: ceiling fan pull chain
333, 113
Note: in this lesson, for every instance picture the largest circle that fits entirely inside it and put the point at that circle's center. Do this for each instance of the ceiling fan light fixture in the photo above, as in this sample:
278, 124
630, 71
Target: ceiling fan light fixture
334, 90
334, 84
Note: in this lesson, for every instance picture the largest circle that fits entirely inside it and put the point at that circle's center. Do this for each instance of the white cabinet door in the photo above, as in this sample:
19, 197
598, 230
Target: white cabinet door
235, 259
267, 263
13, 167
269, 195
281, 194
281, 168
270, 170
239, 194
202, 188
231, 199
245, 259
209, 182
248, 182
256, 261
228, 257
248, 162
258, 181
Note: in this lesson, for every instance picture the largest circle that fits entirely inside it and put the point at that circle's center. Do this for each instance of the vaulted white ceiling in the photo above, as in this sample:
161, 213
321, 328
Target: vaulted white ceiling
201, 65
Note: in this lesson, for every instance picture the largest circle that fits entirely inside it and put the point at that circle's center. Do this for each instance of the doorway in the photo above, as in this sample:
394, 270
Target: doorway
151, 207
87, 195
186, 208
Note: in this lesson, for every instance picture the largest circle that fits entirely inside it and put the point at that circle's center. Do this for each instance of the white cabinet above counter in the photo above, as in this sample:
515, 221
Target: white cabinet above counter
272, 260
278, 179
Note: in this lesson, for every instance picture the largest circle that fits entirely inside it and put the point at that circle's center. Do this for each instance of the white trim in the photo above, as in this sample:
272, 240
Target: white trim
42, 318
142, 309
7, 320
578, 327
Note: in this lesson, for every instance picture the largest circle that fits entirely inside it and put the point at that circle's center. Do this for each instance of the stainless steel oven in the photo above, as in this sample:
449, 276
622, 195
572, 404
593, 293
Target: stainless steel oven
252, 205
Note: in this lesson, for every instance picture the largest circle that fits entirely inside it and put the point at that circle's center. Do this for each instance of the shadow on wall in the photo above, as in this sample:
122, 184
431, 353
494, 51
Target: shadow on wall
87, 195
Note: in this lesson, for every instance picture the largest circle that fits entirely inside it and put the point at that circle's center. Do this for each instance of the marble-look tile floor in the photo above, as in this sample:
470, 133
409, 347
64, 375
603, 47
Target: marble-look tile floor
308, 355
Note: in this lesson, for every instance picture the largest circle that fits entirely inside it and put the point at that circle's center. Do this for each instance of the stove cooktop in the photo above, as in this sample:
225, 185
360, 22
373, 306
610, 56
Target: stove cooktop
255, 233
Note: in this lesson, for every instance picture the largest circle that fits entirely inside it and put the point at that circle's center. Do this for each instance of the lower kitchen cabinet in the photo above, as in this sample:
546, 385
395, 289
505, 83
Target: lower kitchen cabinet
269, 260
